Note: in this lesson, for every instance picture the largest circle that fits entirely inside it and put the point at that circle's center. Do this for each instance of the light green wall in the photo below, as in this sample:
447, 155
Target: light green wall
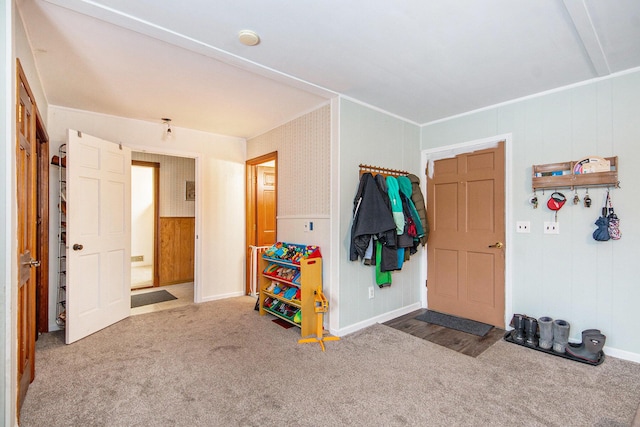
570, 276
373, 138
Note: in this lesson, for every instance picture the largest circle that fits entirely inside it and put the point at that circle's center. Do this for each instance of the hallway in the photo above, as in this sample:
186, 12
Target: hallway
182, 291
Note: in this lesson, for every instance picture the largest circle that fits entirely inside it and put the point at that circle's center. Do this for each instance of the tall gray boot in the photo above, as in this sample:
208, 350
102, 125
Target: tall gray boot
545, 325
591, 346
517, 322
530, 329
560, 335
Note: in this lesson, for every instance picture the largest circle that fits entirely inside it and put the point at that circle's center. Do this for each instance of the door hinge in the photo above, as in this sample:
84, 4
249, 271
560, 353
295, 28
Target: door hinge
426, 285
79, 134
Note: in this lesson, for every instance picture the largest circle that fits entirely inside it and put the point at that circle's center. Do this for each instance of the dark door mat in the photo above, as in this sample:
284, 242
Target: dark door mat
282, 323
457, 323
150, 298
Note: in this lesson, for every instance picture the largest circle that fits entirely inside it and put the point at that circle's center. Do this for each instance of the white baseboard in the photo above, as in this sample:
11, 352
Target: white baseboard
621, 354
378, 319
223, 296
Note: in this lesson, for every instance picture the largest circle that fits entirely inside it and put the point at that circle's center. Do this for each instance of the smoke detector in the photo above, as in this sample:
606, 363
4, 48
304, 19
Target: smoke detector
248, 37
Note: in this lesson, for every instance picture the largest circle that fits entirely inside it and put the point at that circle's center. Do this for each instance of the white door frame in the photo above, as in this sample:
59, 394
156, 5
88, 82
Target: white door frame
197, 287
429, 156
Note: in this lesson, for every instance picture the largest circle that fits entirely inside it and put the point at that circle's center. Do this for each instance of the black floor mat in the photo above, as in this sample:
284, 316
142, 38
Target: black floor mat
151, 298
457, 323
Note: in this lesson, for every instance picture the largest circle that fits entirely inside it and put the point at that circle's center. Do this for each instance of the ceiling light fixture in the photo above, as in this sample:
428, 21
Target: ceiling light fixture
248, 37
168, 133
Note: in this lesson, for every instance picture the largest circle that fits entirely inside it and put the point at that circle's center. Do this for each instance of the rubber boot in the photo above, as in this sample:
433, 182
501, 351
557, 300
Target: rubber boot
517, 322
530, 329
545, 324
591, 346
560, 335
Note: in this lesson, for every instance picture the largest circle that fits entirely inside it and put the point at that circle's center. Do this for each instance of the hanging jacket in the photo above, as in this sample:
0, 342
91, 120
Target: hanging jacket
371, 218
396, 203
405, 188
387, 260
418, 201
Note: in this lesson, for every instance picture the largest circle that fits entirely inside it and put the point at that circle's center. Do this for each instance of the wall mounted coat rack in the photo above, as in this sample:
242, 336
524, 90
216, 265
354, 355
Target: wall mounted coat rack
379, 170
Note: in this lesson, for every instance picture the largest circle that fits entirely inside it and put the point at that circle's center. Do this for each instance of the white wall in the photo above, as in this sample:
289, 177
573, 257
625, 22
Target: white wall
7, 333
378, 139
219, 199
142, 214
570, 276
304, 175
174, 172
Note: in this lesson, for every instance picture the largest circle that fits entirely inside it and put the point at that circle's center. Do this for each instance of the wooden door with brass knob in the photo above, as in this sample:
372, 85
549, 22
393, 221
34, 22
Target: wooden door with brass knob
26, 183
465, 252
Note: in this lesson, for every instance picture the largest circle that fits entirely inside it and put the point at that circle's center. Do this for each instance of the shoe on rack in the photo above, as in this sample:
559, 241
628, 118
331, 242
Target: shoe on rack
591, 346
55, 160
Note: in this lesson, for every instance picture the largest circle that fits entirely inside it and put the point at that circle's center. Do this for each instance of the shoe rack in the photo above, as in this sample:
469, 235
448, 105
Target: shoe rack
509, 337
291, 276
61, 162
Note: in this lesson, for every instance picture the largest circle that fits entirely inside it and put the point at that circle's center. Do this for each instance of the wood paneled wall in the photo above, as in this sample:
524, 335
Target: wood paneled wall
177, 241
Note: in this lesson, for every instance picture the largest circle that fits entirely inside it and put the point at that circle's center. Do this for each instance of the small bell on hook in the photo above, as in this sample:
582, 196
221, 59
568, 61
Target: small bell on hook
587, 199
576, 198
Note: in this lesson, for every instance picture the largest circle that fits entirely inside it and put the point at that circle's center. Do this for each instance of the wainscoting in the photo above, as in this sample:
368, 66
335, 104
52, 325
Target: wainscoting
177, 240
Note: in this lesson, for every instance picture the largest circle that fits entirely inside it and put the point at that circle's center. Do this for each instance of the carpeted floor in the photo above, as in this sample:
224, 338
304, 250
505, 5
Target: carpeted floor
221, 364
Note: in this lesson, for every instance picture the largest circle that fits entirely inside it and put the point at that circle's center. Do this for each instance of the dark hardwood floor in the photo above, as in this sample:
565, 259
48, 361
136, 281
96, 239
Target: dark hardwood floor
462, 342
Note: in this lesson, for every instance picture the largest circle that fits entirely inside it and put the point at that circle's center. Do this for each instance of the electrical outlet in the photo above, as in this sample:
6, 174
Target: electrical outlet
551, 227
371, 292
523, 227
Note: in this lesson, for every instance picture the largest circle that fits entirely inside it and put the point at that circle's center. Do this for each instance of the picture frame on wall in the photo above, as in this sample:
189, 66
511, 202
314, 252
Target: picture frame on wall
190, 191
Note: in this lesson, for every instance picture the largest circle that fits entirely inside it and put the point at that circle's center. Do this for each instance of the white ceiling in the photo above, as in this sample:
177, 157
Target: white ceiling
421, 60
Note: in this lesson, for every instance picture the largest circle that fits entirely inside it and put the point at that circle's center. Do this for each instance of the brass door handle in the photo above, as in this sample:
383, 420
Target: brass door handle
77, 247
497, 245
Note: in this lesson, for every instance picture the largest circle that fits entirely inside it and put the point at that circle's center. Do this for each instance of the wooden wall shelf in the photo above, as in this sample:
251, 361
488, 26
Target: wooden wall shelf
561, 175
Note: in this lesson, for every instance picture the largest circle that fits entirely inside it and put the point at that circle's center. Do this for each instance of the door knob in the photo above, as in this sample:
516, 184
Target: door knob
32, 263
77, 247
497, 245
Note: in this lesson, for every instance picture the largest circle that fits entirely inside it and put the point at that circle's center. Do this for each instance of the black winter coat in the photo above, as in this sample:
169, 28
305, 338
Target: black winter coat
371, 217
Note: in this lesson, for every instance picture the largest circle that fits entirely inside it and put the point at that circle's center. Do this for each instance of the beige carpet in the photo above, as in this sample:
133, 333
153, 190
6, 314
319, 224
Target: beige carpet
221, 364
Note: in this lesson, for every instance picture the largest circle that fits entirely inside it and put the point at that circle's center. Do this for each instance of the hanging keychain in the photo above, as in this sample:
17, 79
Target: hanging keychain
534, 200
576, 198
587, 199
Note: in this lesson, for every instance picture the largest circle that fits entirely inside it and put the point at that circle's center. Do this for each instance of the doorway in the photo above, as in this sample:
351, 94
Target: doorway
175, 217
144, 224
466, 206
262, 209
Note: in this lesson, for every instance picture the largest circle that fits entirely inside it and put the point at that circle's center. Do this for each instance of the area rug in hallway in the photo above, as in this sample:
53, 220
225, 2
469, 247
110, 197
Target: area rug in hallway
151, 298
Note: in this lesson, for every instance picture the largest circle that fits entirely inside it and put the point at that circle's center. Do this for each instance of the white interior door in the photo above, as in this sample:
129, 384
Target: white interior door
98, 234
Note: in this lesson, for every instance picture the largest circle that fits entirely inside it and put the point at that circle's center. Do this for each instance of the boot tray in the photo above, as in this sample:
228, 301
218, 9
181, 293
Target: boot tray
508, 338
